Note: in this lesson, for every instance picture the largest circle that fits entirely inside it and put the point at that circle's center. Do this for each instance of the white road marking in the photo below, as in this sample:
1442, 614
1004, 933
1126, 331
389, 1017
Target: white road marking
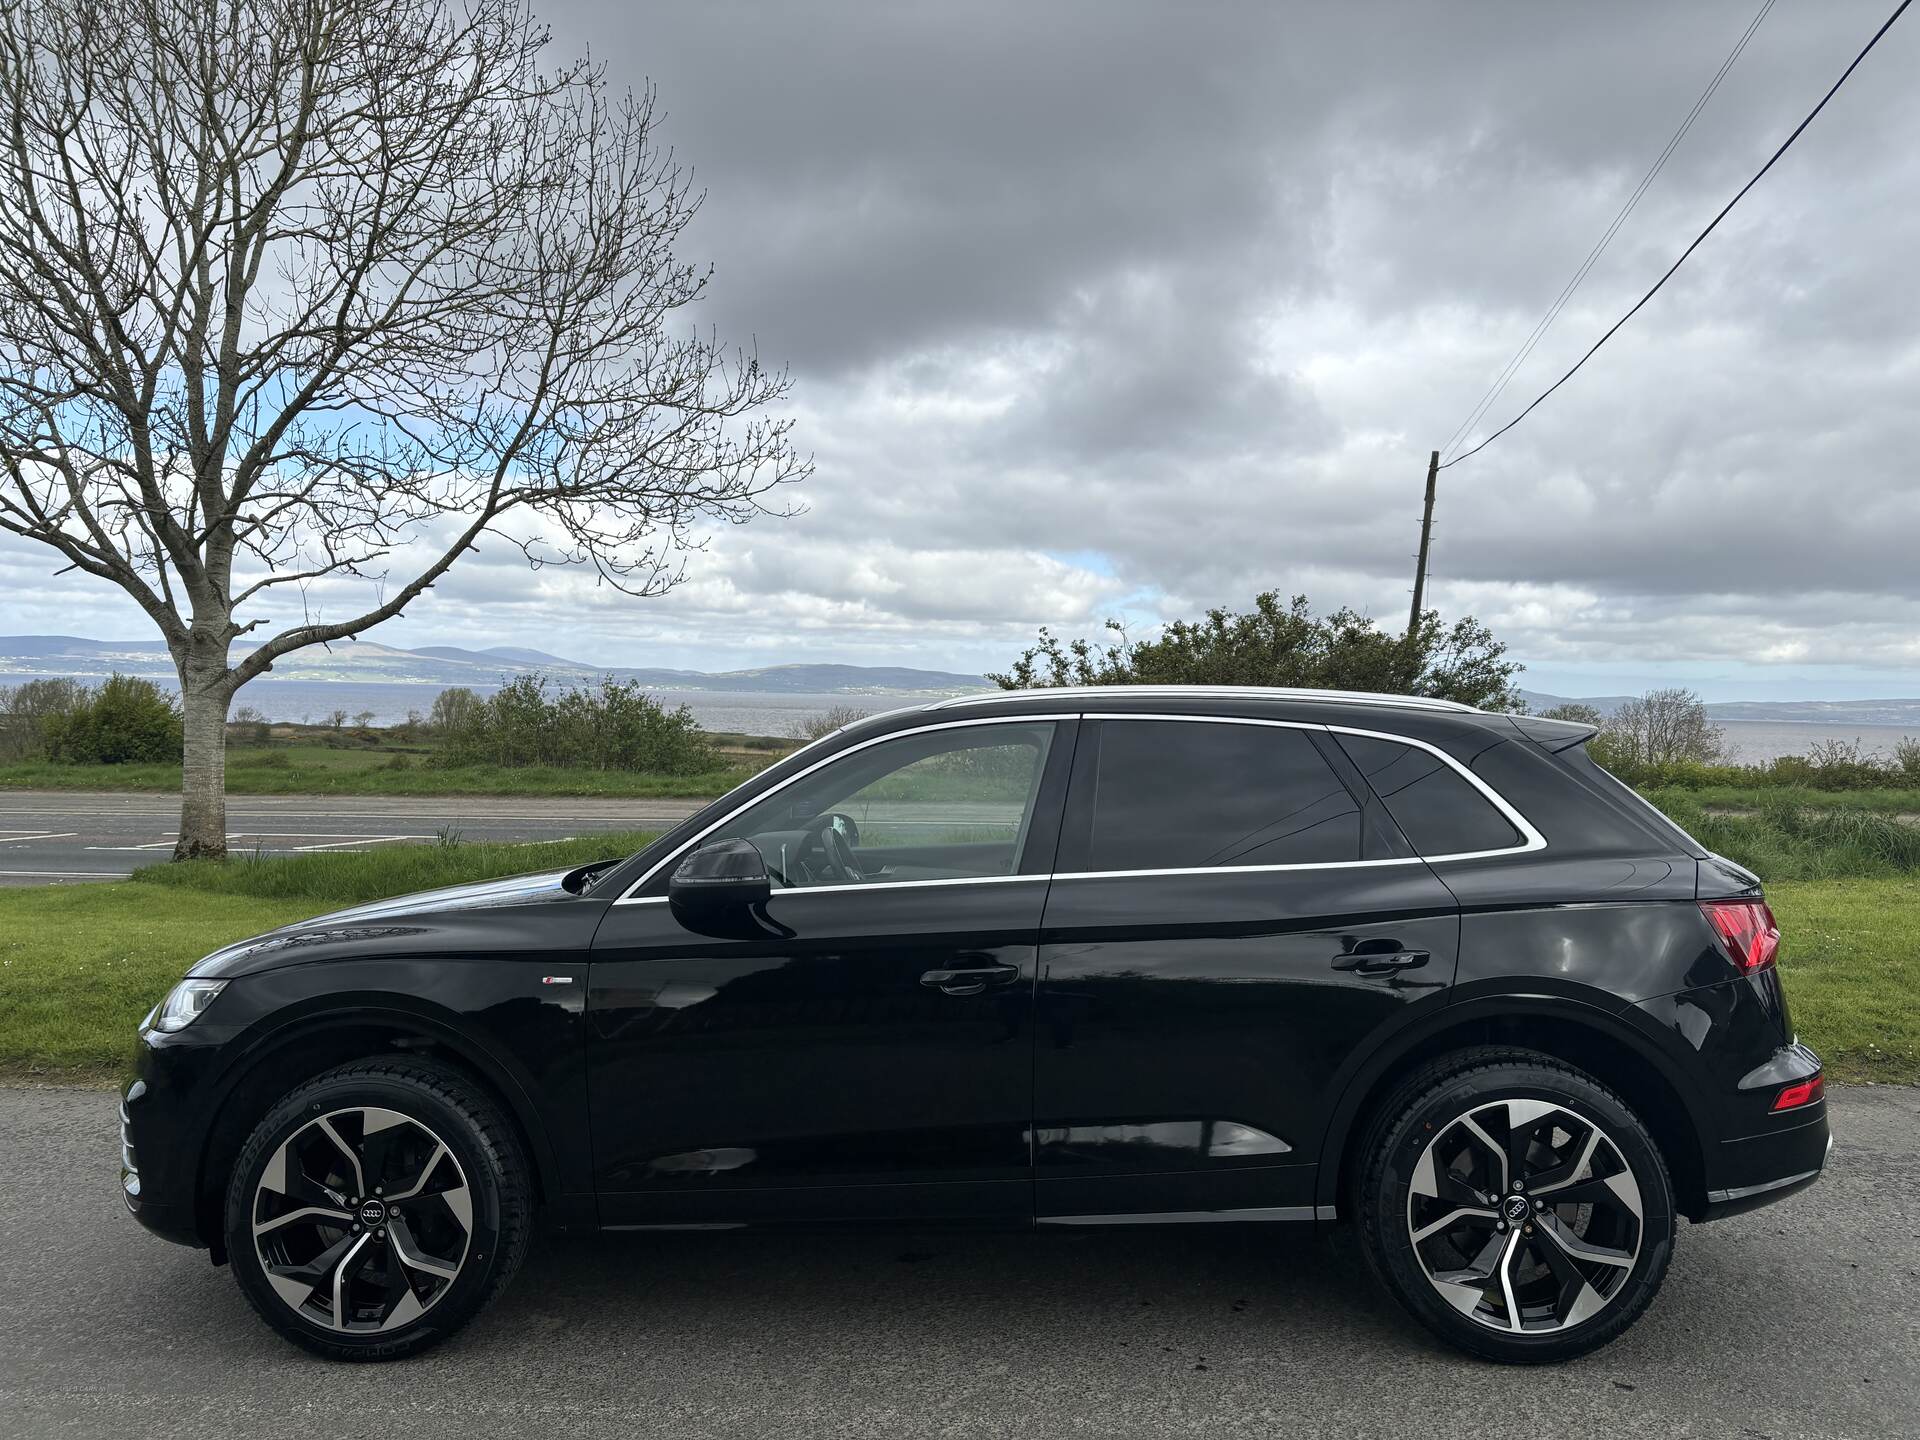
70, 874
10, 837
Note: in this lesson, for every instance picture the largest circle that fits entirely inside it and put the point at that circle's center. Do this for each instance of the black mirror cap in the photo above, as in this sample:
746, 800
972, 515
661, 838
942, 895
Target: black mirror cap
726, 875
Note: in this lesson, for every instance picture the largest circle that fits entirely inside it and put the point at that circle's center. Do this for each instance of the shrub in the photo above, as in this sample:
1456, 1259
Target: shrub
1906, 760
127, 721
614, 727
818, 727
25, 710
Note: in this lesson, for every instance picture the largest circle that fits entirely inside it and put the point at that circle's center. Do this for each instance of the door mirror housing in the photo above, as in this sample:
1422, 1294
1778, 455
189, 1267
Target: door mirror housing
723, 880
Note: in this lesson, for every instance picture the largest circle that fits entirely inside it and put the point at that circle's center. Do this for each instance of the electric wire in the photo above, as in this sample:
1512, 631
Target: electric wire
1697, 241
1519, 357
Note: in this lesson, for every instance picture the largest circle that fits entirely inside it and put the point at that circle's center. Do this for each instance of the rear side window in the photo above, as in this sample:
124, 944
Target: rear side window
1431, 802
1187, 795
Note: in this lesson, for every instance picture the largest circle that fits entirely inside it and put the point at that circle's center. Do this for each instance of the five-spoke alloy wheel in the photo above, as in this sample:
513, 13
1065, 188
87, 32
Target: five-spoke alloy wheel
375, 1209
1516, 1206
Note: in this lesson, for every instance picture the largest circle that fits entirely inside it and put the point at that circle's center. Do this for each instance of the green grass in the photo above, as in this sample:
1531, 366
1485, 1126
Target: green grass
80, 964
349, 877
322, 770
1892, 801
1852, 973
1781, 840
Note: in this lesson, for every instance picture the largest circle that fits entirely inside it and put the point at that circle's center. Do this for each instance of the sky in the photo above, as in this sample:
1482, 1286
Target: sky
1127, 310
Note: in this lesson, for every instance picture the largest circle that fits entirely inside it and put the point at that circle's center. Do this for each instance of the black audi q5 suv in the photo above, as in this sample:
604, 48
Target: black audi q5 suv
1141, 956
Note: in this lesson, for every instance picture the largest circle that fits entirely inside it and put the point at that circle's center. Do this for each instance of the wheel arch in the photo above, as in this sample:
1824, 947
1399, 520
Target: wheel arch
313, 1044
1605, 1045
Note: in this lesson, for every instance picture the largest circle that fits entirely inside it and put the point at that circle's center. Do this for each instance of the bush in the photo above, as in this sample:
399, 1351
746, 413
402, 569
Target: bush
1906, 760
1827, 765
127, 721
616, 727
818, 727
25, 710
1788, 841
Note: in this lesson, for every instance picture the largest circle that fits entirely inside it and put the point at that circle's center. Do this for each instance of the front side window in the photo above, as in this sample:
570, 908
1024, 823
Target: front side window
949, 804
1188, 795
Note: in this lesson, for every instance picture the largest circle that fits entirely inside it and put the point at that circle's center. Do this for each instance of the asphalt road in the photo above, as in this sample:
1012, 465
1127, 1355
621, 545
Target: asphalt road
50, 836
1802, 1319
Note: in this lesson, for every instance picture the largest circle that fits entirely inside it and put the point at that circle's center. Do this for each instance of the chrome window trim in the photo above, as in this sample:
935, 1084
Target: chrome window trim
1531, 839
632, 899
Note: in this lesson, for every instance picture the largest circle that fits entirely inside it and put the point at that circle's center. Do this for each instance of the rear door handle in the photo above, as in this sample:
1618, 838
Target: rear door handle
970, 982
1380, 962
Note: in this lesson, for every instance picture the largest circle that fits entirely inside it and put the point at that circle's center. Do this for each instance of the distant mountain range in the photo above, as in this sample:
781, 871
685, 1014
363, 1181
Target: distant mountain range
364, 662
1803, 712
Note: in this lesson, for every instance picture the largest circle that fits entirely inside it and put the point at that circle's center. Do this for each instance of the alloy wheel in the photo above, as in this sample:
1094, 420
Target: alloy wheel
1525, 1216
362, 1220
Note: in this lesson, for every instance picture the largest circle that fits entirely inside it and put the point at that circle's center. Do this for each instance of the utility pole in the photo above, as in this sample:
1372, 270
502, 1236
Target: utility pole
1426, 539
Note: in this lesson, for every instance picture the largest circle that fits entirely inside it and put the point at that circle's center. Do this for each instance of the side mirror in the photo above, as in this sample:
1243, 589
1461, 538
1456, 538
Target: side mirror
725, 879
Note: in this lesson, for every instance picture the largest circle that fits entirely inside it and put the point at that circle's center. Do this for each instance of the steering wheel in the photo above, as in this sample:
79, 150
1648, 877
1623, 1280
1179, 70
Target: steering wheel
838, 835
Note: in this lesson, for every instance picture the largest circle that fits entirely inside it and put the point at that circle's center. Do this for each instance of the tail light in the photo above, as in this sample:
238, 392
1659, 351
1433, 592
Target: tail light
1747, 931
1801, 1092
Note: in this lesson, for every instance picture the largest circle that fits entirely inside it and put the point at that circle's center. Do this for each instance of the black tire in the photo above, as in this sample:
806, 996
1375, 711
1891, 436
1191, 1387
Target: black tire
480, 1182
1429, 1113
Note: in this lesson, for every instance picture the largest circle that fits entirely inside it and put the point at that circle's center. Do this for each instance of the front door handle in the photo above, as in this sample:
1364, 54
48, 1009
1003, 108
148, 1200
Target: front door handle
1380, 962
970, 982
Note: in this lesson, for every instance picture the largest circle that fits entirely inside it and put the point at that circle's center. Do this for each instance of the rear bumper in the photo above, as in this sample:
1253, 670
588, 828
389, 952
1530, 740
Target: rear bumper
1760, 1169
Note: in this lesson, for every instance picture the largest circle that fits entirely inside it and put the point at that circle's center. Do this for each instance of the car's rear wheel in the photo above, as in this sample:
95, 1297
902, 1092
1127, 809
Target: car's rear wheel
1516, 1206
377, 1208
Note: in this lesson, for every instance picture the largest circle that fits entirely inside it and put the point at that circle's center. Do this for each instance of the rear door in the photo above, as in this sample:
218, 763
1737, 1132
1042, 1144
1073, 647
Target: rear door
1232, 914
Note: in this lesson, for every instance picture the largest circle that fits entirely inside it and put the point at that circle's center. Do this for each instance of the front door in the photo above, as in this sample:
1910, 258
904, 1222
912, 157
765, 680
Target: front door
1233, 914
869, 1053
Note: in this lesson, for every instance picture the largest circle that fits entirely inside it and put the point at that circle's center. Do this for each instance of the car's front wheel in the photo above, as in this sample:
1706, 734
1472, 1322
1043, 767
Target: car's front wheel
377, 1208
1516, 1206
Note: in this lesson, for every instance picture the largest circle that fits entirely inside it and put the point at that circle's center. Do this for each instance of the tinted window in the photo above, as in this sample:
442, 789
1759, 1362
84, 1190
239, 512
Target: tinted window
949, 804
1180, 795
1431, 802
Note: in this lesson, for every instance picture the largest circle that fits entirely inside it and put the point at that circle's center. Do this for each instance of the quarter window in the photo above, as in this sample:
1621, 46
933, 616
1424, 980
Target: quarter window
1432, 803
948, 804
1189, 795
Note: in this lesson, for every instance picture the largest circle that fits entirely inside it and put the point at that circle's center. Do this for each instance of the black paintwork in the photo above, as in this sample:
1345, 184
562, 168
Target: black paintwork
1048, 1045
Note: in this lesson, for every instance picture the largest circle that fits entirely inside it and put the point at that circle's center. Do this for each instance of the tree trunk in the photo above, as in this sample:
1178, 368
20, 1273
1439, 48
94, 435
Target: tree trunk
204, 697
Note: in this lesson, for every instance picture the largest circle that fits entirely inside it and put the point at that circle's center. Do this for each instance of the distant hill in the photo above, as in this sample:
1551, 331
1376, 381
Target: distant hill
1803, 712
364, 661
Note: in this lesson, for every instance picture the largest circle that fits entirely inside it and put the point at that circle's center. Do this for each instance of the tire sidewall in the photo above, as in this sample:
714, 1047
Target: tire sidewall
478, 1159
1389, 1184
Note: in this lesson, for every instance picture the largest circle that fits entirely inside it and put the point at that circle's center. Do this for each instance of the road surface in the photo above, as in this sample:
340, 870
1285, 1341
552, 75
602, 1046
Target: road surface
51, 836
1799, 1320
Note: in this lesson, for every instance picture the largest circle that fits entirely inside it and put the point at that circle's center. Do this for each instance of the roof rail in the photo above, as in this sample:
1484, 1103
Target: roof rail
1058, 693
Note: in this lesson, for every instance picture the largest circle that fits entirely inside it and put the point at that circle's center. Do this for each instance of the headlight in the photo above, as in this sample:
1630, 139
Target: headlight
183, 1004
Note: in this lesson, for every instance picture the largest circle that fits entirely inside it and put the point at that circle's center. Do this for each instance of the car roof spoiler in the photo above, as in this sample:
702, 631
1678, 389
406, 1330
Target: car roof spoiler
1554, 735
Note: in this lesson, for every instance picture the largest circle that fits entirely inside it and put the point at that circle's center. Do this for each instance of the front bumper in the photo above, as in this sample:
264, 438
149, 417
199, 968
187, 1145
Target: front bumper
164, 1113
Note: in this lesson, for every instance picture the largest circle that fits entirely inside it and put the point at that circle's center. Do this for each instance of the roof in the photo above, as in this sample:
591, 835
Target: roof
1068, 693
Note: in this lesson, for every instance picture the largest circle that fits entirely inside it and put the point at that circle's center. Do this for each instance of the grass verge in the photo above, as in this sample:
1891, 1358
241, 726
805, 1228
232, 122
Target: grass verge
314, 770
79, 965
1852, 975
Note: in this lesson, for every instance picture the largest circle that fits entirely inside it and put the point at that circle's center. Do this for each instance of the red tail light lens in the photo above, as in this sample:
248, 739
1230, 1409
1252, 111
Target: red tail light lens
1801, 1092
1747, 929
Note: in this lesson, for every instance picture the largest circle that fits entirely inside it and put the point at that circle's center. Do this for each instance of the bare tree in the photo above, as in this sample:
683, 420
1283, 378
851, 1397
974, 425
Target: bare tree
298, 290
1662, 727
817, 727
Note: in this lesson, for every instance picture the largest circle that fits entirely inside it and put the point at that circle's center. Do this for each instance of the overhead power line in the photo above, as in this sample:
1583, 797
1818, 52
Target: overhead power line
1519, 358
1698, 239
